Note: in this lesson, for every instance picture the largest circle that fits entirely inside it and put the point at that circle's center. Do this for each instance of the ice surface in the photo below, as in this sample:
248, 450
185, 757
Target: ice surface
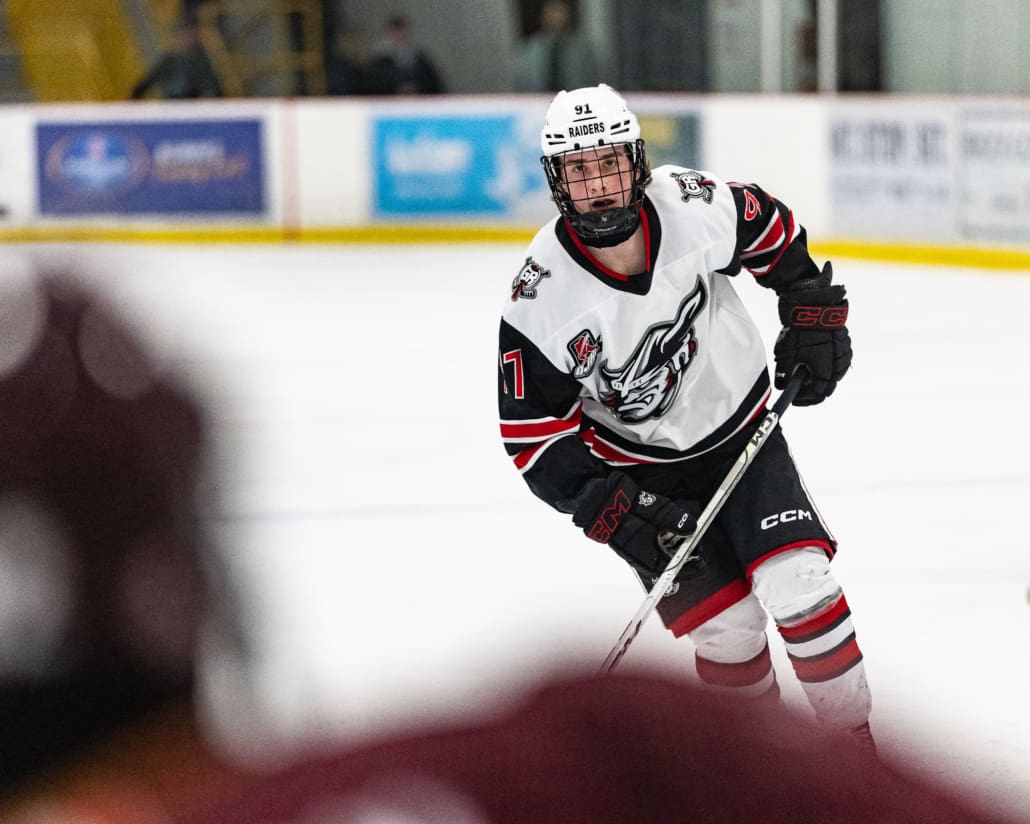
397, 569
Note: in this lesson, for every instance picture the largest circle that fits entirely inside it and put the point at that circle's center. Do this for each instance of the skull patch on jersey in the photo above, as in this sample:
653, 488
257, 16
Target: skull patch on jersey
584, 349
527, 280
647, 384
694, 184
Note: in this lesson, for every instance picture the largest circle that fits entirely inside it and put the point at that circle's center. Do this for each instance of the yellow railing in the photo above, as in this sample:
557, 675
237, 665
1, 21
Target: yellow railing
75, 50
250, 43
165, 13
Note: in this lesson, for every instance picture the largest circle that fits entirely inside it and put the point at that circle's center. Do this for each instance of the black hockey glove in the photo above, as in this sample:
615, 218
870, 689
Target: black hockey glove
813, 315
631, 521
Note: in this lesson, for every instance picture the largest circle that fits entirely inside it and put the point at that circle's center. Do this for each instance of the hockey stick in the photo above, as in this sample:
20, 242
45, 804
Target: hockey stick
688, 547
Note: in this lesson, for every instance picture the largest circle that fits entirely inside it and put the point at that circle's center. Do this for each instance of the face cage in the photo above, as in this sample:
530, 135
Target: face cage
612, 226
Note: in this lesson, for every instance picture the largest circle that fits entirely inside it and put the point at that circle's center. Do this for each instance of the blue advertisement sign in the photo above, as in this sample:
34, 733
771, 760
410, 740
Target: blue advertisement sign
454, 165
151, 168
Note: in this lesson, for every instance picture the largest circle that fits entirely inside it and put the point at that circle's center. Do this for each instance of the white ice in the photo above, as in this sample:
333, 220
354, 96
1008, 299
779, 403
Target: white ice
398, 570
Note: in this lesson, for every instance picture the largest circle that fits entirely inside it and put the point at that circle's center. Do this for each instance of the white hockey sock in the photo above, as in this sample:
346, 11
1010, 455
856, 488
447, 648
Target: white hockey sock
828, 662
814, 620
749, 680
732, 651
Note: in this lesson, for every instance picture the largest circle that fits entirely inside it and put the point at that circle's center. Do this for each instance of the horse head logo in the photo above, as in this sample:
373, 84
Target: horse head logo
647, 384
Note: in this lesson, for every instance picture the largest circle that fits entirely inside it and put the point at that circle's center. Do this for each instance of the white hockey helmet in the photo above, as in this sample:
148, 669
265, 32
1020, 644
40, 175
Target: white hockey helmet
587, 118
593, 118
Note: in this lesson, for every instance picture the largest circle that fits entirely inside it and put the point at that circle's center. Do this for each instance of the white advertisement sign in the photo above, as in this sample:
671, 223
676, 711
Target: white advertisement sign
994, 174
17, 161
892, 172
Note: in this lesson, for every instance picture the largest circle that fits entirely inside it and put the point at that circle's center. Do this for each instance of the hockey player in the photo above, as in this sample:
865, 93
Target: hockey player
631, 377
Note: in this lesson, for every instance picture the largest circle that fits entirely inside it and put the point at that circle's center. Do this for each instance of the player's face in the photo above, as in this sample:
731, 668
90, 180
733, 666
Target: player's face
598, 179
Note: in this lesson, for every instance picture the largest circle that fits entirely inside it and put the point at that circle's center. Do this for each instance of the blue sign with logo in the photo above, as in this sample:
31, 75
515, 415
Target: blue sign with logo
151, 168
455, 165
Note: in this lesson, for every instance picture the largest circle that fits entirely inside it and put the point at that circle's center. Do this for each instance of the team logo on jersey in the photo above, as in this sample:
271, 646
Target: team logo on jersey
752, 208
694, 184
584, 348
527, 280
647, 384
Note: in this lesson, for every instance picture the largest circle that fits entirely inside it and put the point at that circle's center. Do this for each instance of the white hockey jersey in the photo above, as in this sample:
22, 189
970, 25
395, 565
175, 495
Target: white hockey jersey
598, 369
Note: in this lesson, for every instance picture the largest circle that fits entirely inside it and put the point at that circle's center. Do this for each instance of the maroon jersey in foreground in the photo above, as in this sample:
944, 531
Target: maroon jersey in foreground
607, 749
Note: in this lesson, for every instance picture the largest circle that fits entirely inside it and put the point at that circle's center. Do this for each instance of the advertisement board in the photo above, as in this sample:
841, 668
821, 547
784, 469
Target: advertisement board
458, 164
672, 137
17, 192
488, 165
994, 174
893, 172
151, 168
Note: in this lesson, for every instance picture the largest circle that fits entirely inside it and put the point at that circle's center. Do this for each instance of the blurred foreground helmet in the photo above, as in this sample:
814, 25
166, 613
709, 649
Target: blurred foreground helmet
102, 577
581, 126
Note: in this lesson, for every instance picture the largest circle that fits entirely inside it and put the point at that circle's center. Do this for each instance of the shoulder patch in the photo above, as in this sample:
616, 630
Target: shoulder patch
694, 185
584, 348
752, 208
528, 279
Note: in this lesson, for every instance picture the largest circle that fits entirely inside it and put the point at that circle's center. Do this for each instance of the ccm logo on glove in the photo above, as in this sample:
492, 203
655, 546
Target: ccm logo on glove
609, 518
819, 317
814, 315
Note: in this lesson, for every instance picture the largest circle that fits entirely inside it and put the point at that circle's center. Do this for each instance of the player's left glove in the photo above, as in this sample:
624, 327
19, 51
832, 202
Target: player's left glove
814, 333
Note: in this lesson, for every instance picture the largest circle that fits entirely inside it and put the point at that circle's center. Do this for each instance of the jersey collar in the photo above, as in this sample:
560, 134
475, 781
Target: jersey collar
640, 283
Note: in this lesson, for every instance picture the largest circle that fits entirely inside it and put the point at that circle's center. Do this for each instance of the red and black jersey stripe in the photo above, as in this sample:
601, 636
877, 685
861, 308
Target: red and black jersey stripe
771, 244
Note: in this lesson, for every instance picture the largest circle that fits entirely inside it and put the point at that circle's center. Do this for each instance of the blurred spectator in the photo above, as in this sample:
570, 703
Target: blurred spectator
404, 67
349, 69
184, 70
190, 9
557, 56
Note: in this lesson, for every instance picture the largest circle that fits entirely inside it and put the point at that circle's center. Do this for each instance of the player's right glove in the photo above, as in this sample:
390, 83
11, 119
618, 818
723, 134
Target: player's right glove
631, 521
813, 315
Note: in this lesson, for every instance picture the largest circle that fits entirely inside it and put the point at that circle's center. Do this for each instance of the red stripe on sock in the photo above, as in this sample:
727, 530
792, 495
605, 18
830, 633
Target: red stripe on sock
819, 621
823, 668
